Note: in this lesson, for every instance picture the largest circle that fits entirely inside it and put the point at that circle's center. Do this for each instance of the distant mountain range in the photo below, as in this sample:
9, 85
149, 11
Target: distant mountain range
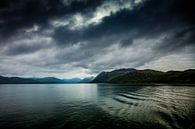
46, 80
145, 76
129, 75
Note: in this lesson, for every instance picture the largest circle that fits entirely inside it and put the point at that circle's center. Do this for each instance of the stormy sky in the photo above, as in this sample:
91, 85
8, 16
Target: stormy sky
80, 38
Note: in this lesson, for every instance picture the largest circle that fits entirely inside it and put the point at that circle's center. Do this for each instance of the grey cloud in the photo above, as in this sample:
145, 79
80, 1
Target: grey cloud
124, 38
126, 42
178, 40
27, 45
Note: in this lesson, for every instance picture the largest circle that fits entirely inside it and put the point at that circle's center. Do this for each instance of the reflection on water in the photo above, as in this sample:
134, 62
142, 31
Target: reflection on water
82, 106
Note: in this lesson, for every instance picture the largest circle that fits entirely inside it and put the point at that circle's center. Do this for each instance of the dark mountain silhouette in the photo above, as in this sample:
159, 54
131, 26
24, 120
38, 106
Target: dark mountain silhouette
115, 76
104, 77
16, 80
145, 76
45, 80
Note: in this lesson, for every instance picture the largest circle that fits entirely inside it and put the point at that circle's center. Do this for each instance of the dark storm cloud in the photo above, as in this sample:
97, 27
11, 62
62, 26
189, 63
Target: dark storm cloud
18, 14
178, 40
172, 19
98, 35
149, 20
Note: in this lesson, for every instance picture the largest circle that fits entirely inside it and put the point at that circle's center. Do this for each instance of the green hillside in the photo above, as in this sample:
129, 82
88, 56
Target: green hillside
145, 76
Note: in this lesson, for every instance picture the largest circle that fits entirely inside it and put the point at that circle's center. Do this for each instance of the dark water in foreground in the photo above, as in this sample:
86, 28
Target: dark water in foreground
92, 106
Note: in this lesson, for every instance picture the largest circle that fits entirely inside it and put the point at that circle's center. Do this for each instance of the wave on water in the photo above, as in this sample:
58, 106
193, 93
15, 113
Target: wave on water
170, 107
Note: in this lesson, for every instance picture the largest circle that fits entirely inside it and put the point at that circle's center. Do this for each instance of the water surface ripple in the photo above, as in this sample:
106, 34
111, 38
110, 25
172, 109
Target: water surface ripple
96, 106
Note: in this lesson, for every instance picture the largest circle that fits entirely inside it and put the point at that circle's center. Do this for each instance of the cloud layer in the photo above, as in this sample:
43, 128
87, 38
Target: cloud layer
78, 38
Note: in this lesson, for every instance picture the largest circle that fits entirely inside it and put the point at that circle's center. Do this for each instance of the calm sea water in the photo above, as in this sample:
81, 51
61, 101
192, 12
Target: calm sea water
93, 106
